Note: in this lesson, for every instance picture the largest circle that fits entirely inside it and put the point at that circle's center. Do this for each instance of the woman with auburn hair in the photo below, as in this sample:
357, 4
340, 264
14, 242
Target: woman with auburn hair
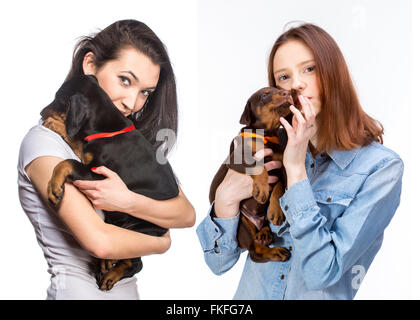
343, 185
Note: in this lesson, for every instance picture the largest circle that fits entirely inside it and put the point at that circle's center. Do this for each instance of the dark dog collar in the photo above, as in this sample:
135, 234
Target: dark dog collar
254, 135
108, 134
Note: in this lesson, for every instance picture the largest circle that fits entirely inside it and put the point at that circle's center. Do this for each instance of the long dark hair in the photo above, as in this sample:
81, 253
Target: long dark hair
342, 123
161, 108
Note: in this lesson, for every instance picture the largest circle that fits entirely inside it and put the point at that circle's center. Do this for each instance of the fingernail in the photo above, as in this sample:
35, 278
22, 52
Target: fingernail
93, 168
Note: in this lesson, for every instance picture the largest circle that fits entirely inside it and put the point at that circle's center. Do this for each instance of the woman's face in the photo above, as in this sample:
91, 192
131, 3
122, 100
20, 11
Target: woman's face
294, 68
128, 80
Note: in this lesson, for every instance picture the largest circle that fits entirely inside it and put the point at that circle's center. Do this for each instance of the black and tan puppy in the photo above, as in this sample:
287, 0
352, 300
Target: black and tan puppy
263, 129
83, 114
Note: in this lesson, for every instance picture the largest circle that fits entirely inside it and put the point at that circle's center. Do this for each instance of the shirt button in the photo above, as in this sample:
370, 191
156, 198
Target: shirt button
312, 165
290, 248
282, 277
286, 207
215, 229
329, 199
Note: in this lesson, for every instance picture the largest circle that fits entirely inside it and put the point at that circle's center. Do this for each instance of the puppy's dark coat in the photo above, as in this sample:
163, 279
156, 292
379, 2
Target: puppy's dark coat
262, 112
81, 109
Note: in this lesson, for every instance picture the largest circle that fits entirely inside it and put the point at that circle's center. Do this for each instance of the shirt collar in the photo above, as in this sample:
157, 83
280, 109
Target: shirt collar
342, 158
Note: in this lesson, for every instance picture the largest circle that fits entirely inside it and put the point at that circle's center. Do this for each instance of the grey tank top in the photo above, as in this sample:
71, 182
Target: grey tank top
68, 263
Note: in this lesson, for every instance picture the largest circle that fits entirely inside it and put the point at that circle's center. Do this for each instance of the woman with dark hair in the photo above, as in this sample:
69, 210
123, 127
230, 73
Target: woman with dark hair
343, 185
133, 68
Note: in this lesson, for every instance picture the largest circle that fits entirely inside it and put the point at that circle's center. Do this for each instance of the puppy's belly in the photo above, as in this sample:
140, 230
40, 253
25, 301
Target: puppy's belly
258, 221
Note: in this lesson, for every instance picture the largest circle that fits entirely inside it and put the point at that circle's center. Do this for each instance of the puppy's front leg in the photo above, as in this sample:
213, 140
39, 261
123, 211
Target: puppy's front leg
275, 214
261, 188
67, 171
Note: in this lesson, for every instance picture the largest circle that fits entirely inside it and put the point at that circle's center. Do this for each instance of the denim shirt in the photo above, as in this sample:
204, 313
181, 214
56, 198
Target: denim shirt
335, 222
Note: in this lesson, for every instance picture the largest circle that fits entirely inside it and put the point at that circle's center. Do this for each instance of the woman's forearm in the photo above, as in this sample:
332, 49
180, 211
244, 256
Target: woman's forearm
173, 213
102, 240
94, 235
124, 244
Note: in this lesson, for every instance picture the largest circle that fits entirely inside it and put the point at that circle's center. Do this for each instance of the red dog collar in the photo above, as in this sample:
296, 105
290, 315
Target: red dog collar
108, 134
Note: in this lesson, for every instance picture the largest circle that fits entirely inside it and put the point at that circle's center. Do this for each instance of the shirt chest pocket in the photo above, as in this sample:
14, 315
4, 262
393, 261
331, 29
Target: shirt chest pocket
332, 204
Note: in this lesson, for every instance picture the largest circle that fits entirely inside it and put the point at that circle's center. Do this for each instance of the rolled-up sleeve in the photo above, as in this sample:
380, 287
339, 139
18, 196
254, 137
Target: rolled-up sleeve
326, 253
218, 240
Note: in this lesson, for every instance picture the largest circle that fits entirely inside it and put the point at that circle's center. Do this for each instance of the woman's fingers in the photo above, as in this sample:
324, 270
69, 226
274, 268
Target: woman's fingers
286, 125
93, 184
84, 185
299, 116
302, 120
308, 110
104, 171
262, 153
271, 165
91, 194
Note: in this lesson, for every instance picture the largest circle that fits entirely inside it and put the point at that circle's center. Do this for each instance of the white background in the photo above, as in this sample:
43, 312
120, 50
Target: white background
219, 52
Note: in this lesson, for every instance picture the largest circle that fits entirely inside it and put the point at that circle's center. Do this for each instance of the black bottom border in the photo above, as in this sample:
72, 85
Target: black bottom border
206, 309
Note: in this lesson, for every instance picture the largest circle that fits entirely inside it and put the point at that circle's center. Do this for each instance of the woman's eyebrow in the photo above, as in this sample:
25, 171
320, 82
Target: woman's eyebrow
130, 72
299, 64
307, 61
134, 76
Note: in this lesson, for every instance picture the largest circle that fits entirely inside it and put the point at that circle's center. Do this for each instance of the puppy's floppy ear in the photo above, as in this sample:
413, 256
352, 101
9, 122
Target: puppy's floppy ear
247, 116
77, 114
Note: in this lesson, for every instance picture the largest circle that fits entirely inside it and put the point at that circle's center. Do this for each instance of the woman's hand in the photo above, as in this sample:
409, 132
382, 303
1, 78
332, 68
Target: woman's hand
110, 194
298, 135
236, 187
166, 242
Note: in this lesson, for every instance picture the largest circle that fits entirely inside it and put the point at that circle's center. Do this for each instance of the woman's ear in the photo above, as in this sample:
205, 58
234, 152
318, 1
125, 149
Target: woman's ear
89, 67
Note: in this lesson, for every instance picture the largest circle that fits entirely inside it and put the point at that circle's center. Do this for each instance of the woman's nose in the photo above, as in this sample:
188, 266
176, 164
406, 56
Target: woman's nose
298, 84
130, 102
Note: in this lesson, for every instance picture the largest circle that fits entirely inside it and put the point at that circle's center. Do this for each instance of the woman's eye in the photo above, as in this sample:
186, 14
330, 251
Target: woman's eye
146, 93
125, 81
282, 78
310, 69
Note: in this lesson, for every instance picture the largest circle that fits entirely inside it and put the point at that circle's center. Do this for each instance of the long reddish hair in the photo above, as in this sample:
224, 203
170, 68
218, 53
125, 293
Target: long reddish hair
342, 123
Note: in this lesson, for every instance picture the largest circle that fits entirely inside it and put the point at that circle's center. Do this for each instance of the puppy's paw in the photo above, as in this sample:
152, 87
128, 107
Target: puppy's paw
110, 279
275, 214
279, 254
261, 192
106, 265
55, 192
264, 236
